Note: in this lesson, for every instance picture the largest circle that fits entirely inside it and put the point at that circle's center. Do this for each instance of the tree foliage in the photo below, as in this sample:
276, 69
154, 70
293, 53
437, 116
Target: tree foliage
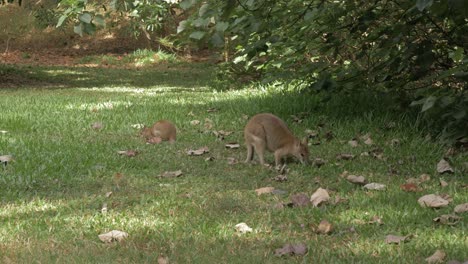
416, 49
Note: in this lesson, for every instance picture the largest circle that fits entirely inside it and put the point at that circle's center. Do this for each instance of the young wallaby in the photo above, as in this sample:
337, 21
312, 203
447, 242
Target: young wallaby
161, 130
267, 131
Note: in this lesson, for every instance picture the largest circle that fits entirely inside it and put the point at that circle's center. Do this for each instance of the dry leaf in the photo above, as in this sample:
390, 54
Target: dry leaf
356, 179
447, 219
128, 153
108, 194
339, 199
195, 122
97, 126
443, 183
163, 260
232, 145
198, 152
374, 186
212, 110
318, 162
345, 156
243, 228
424, 178
368, 141
410, 187
353, 143
221, 134
232, 161
210, 159
5, 159
320, 196
171, 174
324, 227
392, 239
433, 201
376, 220
437, 257
280, 178
114, 235
461, 208
311, 133
444, 167
291, 249
104, 208
300, 199
395, 142
264, 190
208, 124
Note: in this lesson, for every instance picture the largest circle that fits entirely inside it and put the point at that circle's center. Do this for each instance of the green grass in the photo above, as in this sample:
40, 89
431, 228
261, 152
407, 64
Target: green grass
138, 58
52, 194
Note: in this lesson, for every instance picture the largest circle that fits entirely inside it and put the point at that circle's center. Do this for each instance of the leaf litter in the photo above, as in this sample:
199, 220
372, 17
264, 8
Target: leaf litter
433, 201
319, 197
114, 235
299, 249
198, 152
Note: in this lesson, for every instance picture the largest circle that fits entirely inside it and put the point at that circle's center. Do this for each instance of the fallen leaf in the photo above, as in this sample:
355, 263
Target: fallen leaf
210, 159
443, 183
232, 145
212, 110
433, 201
353, 143
97, 126
221, 134
424, 177
376, 220
114, 235
104, 208
324, 227
208, 124
296, 119
447, 219
291, 249
356, 179
444, 167
171, 174
300, 199
392, 239
375, 186
339, 199
282, 169
163, 259
128, 153
195, 122
280, 178
410, 187
345, 156
108, 194
311, 133
198, 152
368, 141
318, 162
154, 140
138, 126
243, 228
437, 257
5, 159
320, 196
264, 190
461, 208
232, 161
395, 142
377, 153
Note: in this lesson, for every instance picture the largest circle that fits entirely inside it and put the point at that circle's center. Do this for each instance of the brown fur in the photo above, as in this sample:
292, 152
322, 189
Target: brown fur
267, 131
163, 129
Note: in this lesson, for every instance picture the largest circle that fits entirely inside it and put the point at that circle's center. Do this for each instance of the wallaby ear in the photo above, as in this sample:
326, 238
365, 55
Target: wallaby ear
305, 140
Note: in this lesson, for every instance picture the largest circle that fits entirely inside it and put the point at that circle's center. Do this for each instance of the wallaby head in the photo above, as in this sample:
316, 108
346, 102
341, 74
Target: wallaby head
146, 132
301, 150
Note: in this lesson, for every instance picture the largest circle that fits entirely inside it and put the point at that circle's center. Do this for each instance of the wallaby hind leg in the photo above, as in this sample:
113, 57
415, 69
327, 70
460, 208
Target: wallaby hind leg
260, 150
250, 153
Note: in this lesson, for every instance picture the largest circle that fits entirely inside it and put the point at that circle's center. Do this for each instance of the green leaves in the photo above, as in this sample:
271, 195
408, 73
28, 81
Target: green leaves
423, 4
197, 35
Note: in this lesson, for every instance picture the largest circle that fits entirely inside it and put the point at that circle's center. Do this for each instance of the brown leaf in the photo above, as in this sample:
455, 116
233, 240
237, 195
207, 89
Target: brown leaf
395, 142
392, 239
461, 208
339, 199
368, 141
128, 153
447, 219
114, 235
210, 159
318, 162
232, 161
300, 199
443, 183
345, 156
5, 159
376, 220
324, 227
195, 122
280, 178
433, 201
424, 177
163, 259
212, 110
243, 228
232, 145
410, 187
311, 133
264, 190
437, 257
353, 143
319, 197
291, 249
198, 152
356, 179
375, 186
444, 167
221, 134
208, 124
171, 174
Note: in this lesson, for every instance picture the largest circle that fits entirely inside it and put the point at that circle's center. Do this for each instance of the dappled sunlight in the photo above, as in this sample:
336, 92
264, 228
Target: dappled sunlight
108, 105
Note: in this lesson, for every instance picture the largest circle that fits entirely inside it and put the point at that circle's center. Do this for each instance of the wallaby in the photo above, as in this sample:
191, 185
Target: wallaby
267, 131
161, 130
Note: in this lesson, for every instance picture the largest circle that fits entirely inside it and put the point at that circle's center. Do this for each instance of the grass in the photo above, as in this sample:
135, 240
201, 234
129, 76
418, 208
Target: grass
53, 192
138, 58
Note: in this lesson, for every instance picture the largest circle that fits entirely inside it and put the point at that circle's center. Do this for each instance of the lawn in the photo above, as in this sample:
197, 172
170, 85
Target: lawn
67, 184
